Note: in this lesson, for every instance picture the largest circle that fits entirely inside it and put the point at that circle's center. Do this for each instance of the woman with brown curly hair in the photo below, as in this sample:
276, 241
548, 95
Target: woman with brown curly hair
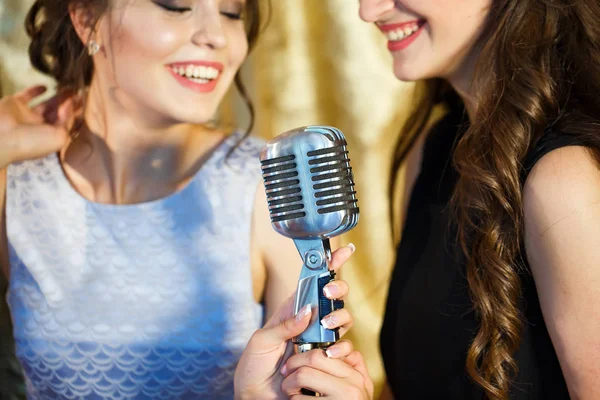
138, 248
495, 293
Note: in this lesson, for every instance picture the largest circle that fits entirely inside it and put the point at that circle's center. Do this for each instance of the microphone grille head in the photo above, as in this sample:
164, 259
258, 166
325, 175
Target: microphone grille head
282, 185
309, 183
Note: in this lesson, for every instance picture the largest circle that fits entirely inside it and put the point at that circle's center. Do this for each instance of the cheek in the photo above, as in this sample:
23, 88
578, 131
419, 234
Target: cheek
238, 47
455, 30
241, 54
131, 39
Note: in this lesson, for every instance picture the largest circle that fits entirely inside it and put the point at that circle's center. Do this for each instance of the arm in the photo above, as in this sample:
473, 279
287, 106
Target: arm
3, 239
562, 237
276, 263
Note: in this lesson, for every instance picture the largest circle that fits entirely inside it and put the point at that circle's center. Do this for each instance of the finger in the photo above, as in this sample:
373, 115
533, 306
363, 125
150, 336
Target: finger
340, 349
65, 113
317, 359
325, 384
340, 256
283, 313
15, 112
37, 141
337, 289
356, 360
267, 338
307, 378
57, 109
341, 318
44, 106
30, 93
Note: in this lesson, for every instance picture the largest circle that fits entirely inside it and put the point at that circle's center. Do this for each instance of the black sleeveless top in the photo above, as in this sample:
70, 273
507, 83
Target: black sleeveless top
429, 322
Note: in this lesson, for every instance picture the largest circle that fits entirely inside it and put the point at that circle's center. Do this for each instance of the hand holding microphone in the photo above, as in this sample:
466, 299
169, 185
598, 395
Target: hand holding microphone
259, 374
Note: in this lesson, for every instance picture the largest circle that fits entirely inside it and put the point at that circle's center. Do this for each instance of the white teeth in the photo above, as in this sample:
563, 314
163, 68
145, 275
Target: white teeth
402, 33
197, 72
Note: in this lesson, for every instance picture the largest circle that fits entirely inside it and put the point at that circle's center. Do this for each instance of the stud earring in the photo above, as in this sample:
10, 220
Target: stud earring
92, 47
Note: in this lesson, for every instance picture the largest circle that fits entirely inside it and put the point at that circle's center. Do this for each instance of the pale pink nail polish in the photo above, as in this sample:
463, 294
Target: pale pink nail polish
331, 291
329, 321
332, 352
304, 311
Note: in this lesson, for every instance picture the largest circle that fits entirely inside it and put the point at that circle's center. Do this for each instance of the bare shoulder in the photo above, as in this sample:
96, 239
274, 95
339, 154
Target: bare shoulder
563, 183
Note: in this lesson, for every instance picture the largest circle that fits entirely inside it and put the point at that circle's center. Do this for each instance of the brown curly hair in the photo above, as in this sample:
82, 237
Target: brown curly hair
538, 66
56, 49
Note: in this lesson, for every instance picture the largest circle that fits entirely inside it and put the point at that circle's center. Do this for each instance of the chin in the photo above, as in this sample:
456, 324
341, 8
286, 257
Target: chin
411, 71
408, 74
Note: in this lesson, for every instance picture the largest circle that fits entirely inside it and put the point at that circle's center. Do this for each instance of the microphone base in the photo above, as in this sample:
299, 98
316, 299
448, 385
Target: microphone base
304, 347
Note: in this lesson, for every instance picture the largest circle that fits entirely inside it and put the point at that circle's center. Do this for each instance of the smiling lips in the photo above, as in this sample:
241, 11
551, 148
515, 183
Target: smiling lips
400, 36
200, 76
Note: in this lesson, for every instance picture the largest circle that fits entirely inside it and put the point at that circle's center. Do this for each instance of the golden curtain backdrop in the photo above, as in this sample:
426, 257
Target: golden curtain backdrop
316, 63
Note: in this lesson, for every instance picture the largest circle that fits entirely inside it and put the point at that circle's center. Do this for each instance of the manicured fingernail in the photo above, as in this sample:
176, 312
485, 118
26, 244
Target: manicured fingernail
283, 369
329, 321
331, 291
304, 311
352, 247
332, 352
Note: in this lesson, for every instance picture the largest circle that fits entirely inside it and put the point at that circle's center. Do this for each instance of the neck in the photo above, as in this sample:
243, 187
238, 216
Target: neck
468, 101
124, 155
462, 84
462, 79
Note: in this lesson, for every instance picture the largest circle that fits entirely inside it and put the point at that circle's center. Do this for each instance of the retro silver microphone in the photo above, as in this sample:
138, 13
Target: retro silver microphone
311, 196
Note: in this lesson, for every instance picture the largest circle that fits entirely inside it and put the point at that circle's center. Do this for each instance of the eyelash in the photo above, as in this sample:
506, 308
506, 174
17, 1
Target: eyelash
231, 15
181, 10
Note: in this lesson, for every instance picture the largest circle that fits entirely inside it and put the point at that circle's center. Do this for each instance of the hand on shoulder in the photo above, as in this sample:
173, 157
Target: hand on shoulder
31, 132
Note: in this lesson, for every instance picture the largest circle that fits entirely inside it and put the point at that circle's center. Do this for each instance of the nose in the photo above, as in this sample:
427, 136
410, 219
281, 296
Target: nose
209, 30
374, 10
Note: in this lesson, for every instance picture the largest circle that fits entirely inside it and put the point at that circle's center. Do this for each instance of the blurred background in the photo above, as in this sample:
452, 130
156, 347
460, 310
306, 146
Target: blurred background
316, 63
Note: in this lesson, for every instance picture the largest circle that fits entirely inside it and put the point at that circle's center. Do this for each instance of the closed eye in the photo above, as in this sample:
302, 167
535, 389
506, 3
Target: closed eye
231, 15
171, 8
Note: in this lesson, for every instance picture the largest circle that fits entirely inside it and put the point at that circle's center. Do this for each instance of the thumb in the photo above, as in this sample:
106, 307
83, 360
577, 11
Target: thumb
34, 141
277, 335
64, 113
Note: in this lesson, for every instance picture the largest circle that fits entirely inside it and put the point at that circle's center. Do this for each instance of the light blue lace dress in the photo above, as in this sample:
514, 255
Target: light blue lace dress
145, 301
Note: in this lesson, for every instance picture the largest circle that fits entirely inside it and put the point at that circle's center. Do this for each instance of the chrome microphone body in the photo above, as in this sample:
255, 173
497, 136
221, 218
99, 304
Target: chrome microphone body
311, 196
